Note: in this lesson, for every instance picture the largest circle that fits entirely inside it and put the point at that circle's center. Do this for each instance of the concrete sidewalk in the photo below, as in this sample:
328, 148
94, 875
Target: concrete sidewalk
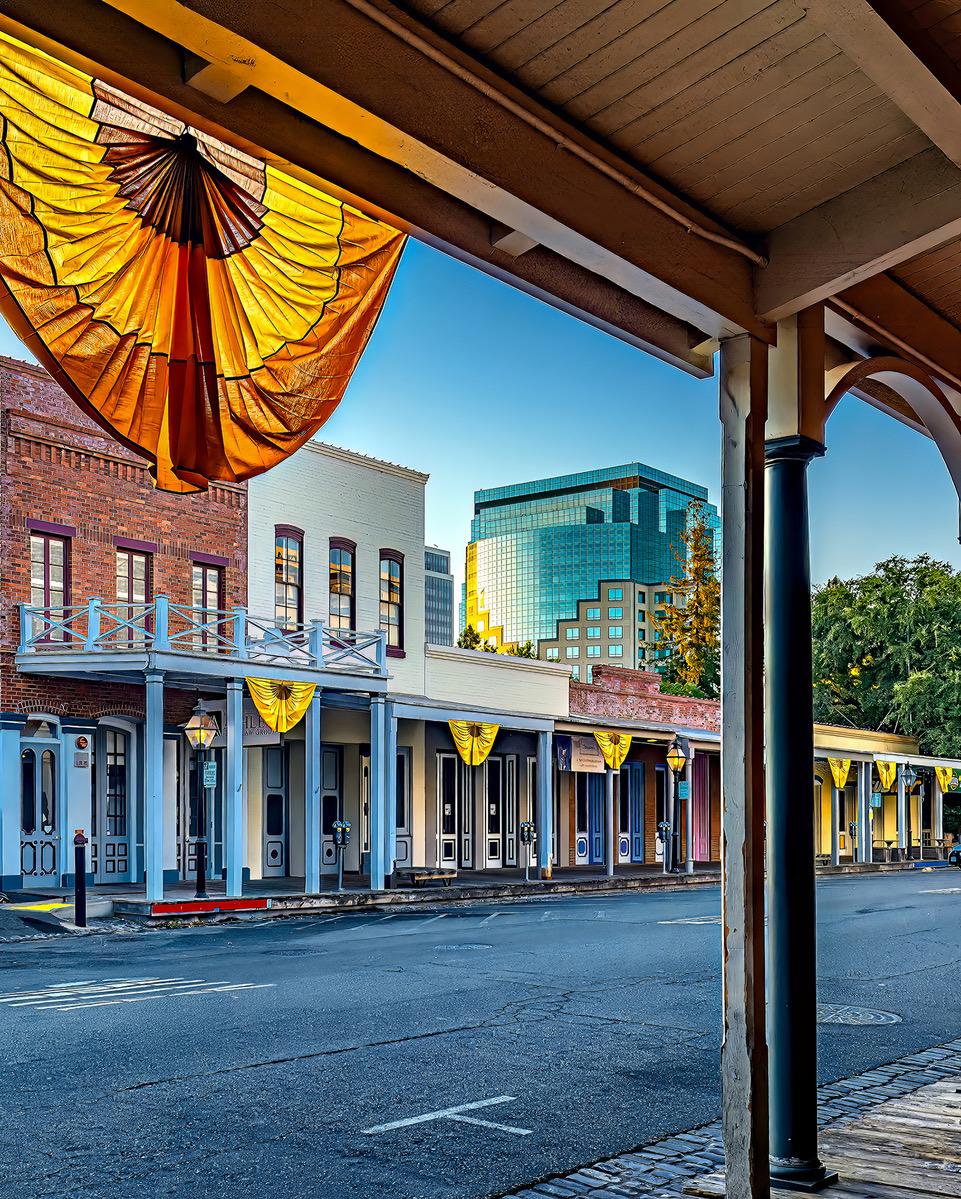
691, 1163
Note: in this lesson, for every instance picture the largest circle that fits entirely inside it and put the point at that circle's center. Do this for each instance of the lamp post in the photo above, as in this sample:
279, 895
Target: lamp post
910, 777
201, 729
676, 761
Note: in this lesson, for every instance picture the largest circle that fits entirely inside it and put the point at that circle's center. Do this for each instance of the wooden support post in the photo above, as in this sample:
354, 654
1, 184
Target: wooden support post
744, 1084
610, 848
235, 789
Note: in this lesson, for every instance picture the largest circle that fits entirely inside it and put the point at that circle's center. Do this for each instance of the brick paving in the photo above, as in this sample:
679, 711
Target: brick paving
662, 1169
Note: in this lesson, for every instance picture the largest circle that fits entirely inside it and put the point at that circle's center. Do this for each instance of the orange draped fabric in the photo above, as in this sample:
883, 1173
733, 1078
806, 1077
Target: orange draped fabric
207, 308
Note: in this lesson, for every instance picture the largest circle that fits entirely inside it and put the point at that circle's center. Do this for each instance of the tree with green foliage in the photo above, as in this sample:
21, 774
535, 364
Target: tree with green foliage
691, 625
471, 639
522, 650
887, 652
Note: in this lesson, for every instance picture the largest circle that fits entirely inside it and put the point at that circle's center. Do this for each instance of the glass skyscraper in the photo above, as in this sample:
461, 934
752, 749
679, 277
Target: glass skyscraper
538, 549
438, 597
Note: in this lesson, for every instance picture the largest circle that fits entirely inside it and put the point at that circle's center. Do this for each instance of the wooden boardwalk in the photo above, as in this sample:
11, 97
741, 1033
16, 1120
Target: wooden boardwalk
908, 1148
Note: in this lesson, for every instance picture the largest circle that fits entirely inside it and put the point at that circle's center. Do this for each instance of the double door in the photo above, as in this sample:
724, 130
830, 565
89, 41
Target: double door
276, 823
630, 839
455, 816
39, 836
589, 814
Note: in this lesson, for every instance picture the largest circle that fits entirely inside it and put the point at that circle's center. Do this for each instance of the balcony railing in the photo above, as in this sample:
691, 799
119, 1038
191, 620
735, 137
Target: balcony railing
163, 626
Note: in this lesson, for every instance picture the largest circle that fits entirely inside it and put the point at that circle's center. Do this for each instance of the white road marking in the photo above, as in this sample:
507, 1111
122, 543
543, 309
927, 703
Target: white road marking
492, 916
114, 991
693, 920
392, 916
453, 1113
431, 919
941, 891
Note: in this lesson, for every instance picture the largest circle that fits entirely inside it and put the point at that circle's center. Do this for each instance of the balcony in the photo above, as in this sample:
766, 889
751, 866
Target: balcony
121, 639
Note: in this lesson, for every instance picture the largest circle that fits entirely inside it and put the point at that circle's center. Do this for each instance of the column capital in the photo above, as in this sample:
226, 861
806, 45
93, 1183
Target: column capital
233, 684
797, 448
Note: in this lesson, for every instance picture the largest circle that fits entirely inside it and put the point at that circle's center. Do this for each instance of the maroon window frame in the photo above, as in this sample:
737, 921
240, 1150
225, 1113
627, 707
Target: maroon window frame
335, 609
392, 609
45, 540
288, 577
125, 559
205, 573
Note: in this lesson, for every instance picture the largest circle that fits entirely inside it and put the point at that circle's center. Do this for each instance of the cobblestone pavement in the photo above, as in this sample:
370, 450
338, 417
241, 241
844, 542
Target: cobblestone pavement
662, 1169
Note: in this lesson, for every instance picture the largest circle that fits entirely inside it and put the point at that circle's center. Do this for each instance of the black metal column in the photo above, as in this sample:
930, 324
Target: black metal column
792, 984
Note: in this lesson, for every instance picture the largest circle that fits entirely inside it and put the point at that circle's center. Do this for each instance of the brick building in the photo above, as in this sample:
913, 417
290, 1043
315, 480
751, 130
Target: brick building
80, 518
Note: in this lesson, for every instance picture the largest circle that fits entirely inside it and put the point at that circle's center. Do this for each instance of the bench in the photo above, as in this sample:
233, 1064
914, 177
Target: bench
417, 876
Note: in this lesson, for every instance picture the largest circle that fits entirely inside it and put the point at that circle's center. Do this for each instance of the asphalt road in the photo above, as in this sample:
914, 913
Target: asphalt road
244, 1060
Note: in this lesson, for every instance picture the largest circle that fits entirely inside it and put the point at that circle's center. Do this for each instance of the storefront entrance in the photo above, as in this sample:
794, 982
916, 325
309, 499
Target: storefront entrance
276, 860
110, 805
39, 791
455, 801
630, 839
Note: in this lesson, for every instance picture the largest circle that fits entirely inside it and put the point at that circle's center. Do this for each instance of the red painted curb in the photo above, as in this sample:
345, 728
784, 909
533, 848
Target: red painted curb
206, 905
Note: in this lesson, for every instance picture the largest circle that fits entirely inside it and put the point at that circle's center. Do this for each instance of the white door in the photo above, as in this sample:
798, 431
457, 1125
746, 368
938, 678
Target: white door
276, 813
494, 812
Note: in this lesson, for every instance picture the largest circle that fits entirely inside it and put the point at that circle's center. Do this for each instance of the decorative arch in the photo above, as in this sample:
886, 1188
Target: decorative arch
938, 406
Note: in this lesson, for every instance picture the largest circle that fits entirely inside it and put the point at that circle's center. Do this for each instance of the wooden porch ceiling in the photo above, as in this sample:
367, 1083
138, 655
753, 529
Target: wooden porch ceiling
673, 171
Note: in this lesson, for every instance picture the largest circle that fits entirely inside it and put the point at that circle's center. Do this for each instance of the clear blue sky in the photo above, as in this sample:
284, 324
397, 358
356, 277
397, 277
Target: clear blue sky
480, 385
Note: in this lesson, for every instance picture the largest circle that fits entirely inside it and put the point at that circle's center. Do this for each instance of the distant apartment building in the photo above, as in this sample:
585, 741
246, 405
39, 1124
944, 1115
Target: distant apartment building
545, 555
438, 597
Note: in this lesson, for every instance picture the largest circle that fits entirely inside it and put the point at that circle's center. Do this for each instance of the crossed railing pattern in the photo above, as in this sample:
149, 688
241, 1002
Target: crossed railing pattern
161, 625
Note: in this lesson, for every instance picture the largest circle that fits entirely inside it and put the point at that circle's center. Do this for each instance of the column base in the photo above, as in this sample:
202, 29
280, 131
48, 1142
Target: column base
793, 1174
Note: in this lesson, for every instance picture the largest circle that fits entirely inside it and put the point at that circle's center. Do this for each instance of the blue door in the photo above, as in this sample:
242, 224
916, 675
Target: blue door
595, 817
632, 782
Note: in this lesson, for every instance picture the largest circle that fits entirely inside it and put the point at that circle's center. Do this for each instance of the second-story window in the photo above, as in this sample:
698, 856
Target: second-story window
134, 589
50, 577
209, 598
288, 577
392, 597
342, 584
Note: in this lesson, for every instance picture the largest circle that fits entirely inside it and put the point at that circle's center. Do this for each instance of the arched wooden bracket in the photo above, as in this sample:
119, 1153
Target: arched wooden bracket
936, 405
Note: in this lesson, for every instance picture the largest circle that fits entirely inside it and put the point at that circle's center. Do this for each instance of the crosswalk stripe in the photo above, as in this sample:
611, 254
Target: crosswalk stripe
16, 1000
216, 989
68, 997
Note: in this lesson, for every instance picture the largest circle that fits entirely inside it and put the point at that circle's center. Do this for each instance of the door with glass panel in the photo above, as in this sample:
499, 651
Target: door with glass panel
455, 798
39, 838
276, 812
110, 806
331, 803
494, 812
511, 816
404, 841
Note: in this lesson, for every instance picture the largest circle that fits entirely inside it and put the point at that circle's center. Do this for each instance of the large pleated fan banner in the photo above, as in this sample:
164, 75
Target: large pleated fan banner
281, 705
473, 740
206, 308
614, 747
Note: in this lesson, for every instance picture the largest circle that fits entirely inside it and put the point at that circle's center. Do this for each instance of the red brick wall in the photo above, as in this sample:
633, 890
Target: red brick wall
619, 692
57, 465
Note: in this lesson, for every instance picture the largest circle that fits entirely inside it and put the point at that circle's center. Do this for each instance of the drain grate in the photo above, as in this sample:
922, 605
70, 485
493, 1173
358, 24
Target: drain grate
843, 1013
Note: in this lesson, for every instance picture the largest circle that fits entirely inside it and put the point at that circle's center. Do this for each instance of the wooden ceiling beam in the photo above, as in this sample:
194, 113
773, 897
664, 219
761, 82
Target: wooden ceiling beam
380, 78
897, 215
93, 36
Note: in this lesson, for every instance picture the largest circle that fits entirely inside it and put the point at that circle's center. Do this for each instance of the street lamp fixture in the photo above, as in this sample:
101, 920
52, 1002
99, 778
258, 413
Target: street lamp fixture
200, 730
676, 760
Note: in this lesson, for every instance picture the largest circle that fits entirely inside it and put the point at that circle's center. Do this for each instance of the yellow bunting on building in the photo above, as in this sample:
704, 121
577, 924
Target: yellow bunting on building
205, 307
474, 740
840, 769
945, 775
282, 705
886, 773
614, 747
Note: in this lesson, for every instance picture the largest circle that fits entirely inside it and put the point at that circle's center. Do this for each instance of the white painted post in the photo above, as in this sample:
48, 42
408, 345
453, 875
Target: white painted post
390, 781
545, 807
689, 816
235, 806
25, 631
378, 792
835, 837
609, 821
161, 624
153, 792
312, 795
744, 1081
93, 623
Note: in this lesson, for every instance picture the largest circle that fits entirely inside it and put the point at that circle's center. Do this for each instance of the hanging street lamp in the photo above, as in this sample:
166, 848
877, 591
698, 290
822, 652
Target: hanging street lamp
201, 729
676, 761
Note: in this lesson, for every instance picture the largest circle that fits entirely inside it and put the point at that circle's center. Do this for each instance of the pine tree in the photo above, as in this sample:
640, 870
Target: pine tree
471, 639
691, 625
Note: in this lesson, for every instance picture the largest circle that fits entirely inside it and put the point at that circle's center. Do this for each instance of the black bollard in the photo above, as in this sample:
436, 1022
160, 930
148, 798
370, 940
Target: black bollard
80, 879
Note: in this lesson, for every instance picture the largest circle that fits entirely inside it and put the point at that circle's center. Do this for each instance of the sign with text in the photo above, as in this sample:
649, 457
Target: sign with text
684, 790
256, 732
581, 754
210, 775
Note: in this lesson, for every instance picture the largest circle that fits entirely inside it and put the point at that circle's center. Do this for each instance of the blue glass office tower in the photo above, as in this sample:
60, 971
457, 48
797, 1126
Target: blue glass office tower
539, 548
438, 597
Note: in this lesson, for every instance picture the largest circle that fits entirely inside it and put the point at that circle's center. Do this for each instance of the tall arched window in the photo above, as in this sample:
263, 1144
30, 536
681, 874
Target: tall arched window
343, 584
288, 576
392, 600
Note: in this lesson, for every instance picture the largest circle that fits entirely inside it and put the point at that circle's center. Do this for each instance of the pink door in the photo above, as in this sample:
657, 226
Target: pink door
702, 809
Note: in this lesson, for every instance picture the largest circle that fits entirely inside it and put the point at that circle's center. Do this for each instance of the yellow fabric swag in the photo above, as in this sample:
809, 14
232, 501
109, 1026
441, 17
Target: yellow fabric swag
886, 773
205, 307
282, 705
474, 741
840, 769
614, 747
945, 775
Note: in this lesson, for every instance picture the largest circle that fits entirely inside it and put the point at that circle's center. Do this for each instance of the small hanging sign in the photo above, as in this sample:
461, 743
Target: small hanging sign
210, 775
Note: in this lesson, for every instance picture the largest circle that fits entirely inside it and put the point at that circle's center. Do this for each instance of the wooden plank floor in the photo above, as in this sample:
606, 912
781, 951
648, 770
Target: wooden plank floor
908, 1148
